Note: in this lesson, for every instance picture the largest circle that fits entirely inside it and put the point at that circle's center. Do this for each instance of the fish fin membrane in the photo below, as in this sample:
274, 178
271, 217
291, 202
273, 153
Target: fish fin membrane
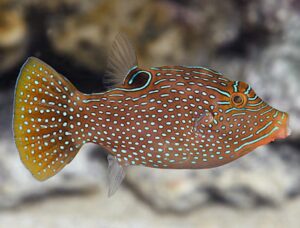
44, 102
121, 60
116, 174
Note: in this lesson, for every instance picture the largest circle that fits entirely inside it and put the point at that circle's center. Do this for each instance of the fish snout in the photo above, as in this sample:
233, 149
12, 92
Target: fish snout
283, 124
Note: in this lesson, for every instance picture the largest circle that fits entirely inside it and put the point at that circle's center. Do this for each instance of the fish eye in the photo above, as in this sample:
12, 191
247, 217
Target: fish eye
238, 100
139, 79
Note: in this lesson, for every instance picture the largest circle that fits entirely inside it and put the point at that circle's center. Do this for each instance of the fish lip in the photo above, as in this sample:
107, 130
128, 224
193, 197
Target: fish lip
284, 129
282, 133
289, 129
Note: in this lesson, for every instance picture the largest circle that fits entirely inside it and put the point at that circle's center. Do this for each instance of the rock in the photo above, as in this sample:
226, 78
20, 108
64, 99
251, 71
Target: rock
87, 36
260, 178
275, 73
84, 175
13, 38
255, 41
168, 32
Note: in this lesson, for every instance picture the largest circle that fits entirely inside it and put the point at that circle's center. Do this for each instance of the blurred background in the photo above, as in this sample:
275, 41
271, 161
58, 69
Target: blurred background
255, 41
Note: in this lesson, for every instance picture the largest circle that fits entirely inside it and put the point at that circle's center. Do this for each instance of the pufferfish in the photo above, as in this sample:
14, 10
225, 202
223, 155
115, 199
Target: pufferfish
171, 117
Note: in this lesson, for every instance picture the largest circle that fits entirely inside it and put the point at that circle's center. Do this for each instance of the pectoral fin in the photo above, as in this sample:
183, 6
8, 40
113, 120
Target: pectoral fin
203, 120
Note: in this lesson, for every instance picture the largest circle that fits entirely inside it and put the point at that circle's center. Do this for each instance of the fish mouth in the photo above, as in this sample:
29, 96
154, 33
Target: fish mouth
280, 130
284, 127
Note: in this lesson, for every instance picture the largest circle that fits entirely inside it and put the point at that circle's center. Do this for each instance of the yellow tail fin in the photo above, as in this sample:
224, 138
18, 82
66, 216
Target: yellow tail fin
44, 119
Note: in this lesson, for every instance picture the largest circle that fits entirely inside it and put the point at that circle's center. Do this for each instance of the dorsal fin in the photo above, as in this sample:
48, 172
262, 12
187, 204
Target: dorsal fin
121, 60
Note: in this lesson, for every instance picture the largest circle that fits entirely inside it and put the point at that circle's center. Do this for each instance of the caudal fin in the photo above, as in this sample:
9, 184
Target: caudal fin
45, 119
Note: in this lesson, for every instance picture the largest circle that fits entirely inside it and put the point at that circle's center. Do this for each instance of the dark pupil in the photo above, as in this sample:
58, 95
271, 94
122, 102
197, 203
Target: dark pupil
238, 99
140, 80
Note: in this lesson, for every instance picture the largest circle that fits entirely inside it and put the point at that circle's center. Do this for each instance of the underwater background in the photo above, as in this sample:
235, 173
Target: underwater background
254, 41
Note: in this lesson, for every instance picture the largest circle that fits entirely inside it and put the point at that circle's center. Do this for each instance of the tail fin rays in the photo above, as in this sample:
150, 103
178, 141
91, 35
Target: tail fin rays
44, 122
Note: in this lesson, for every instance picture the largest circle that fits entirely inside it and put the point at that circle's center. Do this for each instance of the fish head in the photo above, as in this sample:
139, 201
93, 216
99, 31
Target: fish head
244, 121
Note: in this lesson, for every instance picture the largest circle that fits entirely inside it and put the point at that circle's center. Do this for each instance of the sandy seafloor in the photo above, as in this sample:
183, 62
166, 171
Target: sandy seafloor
125, 210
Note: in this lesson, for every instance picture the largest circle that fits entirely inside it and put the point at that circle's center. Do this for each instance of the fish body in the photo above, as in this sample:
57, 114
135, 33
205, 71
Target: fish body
179, 117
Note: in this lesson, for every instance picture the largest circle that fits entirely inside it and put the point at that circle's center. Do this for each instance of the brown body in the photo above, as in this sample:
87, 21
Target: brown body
177, 117
178, 123
166, 117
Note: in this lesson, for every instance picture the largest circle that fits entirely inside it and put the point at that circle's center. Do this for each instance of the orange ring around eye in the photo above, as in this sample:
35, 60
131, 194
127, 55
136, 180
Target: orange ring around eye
238, 100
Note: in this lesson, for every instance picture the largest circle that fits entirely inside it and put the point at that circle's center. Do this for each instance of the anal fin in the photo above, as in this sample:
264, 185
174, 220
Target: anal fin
116, 174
